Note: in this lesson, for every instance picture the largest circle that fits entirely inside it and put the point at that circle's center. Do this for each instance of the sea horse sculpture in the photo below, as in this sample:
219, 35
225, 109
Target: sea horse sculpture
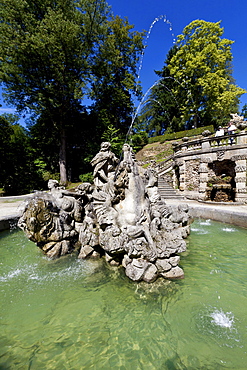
121, 217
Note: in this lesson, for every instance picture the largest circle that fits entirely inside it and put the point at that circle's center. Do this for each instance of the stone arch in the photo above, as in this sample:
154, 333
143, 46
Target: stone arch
221, 180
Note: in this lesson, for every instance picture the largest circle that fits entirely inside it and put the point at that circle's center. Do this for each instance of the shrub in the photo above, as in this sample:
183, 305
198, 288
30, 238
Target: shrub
139, 140
86, 177
219, 180
181, 134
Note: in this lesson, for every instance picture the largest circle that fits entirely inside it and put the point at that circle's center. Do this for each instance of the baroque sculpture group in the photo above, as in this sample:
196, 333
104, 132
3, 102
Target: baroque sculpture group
121, 217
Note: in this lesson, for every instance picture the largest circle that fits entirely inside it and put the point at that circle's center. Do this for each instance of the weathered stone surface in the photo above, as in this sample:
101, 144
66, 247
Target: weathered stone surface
185, 231
216, 156
238, 121
108, 257
49, 246
55, 251
174, 273
121, 216
136, 269
126, 260
163, 265
150, 274
174, 261
183, 207
85, 251
114, 263
95, 254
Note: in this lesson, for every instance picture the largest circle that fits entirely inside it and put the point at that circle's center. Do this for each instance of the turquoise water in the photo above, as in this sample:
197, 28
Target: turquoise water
73, 314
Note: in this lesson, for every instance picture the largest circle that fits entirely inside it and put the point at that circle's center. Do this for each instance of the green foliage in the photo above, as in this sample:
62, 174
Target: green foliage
115, 75
37, 47
51, 51
219, 180
45, 48
11, 118
138, 140
86, 177
43, 172
18, 174
202, 66
161, 110
112, 135
196, 86
146, 165
244, 111
181, 134
165, 153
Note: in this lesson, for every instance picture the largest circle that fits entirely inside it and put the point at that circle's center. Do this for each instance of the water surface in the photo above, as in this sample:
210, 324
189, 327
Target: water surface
74, 314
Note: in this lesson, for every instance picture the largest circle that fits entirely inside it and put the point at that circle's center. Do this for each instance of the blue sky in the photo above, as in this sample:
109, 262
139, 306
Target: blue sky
142, 13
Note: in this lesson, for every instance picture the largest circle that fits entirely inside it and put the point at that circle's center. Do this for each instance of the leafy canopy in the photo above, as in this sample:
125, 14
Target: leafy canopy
203, 66
51, 51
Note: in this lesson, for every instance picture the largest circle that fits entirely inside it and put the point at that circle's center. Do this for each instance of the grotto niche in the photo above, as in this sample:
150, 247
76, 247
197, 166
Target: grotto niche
221, 183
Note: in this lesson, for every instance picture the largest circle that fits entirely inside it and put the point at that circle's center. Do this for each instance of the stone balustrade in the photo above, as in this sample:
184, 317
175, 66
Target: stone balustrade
165, 166
195, 162
211, 142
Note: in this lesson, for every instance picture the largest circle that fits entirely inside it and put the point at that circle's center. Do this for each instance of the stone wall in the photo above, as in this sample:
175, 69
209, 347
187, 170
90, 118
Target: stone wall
197, 163
192, 177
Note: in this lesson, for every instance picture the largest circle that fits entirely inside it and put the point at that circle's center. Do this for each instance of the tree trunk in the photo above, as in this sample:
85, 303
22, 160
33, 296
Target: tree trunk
62, 158
195, 120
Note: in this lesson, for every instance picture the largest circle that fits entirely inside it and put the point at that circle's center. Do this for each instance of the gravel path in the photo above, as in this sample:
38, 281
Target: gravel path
12, 206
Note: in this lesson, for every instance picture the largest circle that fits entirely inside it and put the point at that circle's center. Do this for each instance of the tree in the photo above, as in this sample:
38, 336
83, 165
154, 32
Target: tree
115, 75
244, 111
161, 111
18, 173
47, 50
50, 51
5, 148
203, 67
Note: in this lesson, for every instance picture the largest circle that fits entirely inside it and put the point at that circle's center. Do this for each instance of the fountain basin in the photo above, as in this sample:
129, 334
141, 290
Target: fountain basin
80, 314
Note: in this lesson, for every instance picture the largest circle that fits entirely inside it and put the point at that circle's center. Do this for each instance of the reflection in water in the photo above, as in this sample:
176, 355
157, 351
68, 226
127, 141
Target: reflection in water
75, 314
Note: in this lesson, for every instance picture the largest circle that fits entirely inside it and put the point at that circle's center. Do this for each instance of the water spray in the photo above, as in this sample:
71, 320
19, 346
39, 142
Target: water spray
157, 19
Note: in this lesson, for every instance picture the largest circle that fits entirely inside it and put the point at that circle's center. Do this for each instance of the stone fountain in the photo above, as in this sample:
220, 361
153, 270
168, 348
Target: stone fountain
121, 217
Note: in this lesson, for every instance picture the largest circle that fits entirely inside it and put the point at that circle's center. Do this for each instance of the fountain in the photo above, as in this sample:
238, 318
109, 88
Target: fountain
121, 217
74, 313
81, 314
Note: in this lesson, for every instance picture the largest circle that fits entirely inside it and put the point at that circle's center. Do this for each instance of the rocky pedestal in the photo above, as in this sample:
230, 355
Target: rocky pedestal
121, 217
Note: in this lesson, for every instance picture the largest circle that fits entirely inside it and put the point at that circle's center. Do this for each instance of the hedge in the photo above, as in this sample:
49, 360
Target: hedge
181, 134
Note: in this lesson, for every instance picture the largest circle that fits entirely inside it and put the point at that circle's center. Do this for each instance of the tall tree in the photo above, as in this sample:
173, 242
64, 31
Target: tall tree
161, 110
203, 66
47, 50
115, 75
244, 110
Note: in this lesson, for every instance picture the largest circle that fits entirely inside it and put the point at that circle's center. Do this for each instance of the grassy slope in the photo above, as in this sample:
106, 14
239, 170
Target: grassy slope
155, 151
